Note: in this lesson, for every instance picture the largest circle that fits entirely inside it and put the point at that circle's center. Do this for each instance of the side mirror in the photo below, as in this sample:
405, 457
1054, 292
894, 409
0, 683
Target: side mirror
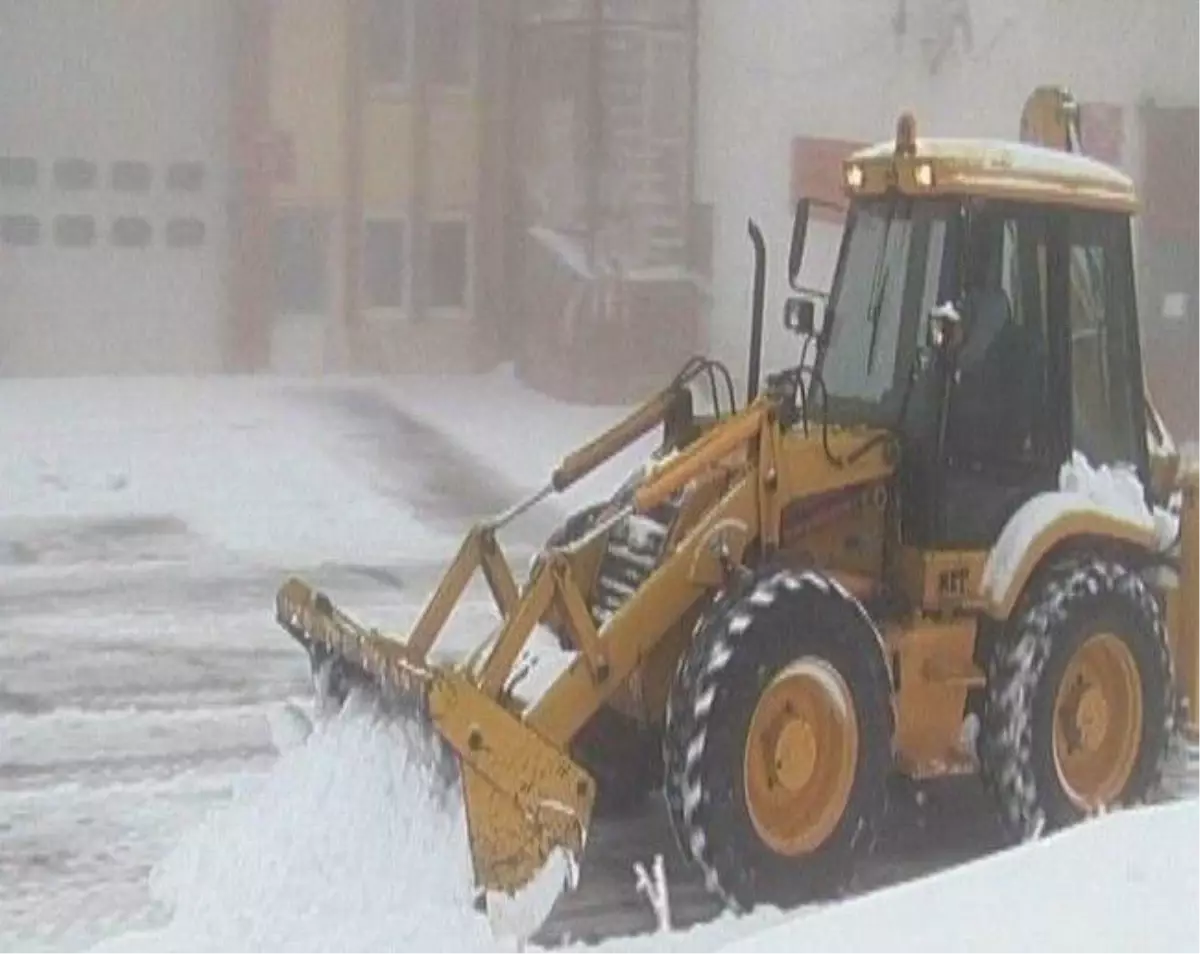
799, 235
799, 316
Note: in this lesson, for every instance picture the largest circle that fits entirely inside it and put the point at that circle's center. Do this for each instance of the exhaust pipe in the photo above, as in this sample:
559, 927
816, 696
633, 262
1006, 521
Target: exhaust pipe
756, 310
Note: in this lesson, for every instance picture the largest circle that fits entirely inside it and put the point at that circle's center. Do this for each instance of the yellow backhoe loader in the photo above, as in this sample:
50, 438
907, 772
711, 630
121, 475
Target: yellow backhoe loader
953, 538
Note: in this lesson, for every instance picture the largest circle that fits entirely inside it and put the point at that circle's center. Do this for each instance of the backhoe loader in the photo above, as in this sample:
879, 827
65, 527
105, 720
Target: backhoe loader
953, 538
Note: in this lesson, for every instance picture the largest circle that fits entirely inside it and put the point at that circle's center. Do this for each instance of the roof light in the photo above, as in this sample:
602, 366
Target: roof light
854, 176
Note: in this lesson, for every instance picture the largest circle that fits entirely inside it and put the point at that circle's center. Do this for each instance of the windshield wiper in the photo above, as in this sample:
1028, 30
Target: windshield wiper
873, 312
879, 284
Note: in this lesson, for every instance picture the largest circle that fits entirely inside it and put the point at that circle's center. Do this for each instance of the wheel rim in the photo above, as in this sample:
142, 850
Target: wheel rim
1097, 722
801, 753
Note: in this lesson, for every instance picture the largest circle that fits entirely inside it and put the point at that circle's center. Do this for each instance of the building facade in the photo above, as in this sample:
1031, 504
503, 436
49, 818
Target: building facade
350, 185
406, 186
378, 171
612, 255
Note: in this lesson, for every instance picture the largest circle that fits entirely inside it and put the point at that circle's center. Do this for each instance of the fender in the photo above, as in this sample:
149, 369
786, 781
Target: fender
1040, 526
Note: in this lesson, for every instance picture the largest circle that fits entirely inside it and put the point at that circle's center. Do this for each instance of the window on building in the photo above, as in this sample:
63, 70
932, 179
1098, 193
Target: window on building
185, 176
388, 41
74, 231
448, 264
18, 172
185, 233
131, 231
301, 240
451, 42
74, 174
20, 230
129, 175
384, 263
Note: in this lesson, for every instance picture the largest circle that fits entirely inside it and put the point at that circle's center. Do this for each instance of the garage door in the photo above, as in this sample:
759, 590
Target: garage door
112, 185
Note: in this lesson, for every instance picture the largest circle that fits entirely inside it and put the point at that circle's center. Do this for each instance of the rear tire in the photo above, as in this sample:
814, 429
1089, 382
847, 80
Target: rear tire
1079, 708
778, 741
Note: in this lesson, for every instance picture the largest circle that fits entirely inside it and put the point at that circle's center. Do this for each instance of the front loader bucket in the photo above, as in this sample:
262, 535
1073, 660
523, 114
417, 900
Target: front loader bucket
528, 805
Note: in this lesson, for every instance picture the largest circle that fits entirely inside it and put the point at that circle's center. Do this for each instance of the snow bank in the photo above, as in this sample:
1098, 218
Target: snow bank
1128, 881
350, 843
1108, 491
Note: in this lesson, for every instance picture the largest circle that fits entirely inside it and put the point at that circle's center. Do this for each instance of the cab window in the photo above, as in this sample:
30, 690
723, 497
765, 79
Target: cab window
1104, 355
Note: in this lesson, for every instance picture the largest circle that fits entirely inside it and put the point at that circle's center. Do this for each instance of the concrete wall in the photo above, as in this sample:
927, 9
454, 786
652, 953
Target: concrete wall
772, 70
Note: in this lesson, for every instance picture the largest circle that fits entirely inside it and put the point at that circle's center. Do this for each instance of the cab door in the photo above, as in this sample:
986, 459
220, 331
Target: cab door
1005, 430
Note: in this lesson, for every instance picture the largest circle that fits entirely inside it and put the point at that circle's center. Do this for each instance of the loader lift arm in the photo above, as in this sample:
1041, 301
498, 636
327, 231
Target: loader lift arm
526, 800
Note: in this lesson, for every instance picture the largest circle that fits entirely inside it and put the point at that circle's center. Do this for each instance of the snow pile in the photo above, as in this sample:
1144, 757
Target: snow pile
351, 842
520, 914
1114, 492
1125, 882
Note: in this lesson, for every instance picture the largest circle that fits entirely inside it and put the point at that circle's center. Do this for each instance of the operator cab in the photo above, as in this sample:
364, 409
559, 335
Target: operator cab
983, 310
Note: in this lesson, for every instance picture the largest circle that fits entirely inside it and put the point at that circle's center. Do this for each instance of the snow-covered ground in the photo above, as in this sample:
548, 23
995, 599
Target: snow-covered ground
389, 874
144, 528
144, 685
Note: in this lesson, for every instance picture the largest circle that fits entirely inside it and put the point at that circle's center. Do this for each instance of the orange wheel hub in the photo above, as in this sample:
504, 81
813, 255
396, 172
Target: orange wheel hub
800, 758
1097, 722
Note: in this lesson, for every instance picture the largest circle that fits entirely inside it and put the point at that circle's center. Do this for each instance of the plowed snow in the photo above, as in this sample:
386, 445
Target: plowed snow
350, 842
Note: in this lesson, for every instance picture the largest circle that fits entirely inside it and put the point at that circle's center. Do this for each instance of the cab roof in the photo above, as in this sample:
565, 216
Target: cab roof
991, 168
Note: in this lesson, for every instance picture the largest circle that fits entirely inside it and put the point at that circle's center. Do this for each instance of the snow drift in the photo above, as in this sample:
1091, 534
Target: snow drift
1125, 882
350, 842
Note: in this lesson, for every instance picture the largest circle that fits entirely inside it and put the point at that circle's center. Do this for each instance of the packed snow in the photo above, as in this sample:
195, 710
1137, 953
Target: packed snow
1108, 491
262, 469
240, 465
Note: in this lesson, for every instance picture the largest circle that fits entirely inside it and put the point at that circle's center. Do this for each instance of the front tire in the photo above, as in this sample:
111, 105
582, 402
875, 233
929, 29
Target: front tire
1079, 708
778, 741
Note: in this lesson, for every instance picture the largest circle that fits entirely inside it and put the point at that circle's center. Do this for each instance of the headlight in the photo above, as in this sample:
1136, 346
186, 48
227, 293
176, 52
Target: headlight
854, 176
923, 175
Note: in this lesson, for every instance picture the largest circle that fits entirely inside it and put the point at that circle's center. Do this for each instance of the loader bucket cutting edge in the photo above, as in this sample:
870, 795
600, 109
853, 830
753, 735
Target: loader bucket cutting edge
527, 803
